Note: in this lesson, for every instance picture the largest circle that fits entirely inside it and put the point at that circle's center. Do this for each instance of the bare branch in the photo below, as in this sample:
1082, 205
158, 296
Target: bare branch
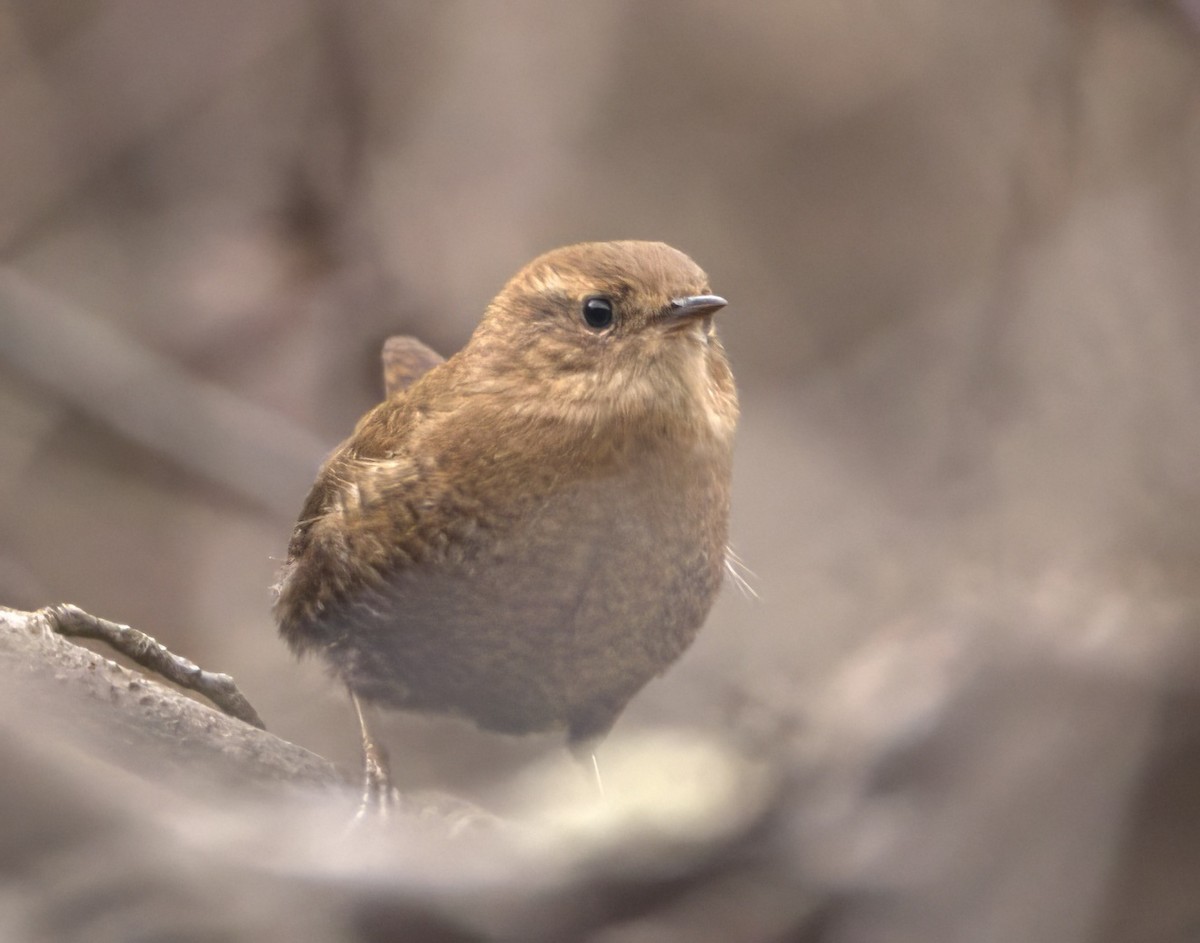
70, 693
241, 446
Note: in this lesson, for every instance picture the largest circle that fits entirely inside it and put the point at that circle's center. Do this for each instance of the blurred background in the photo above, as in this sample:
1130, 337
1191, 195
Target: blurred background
961, 244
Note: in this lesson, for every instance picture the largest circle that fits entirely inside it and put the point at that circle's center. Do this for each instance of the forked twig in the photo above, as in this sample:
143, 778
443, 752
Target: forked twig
72, 622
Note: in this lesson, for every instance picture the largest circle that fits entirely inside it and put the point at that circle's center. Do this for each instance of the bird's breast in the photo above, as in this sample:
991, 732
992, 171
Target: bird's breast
567, 592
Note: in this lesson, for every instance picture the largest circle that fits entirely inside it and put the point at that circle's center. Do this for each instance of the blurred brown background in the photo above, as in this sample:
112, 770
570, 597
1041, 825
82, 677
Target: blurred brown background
961, 244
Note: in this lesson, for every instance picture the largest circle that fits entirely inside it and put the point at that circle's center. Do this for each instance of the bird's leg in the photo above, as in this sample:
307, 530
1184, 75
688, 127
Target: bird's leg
584, 751
378, 793
599, 779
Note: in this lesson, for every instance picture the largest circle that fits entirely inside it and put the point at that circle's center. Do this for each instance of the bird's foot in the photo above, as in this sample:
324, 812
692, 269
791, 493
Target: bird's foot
379, 797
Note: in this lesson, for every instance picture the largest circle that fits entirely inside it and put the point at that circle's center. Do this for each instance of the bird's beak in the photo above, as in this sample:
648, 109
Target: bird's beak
695, 306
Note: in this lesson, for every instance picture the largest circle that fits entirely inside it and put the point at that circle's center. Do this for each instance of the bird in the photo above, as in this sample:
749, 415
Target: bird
527, 533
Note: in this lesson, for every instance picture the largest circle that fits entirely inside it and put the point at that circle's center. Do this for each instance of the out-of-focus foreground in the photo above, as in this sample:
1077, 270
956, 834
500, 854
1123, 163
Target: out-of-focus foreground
962, 248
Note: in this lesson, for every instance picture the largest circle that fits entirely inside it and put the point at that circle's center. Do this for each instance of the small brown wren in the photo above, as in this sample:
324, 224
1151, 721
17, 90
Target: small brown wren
530, 531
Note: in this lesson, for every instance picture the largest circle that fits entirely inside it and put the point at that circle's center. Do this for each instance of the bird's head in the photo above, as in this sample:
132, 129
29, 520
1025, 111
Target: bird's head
608, 325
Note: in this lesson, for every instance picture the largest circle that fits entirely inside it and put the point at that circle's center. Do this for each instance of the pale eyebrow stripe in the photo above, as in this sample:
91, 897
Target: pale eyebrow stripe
553, 282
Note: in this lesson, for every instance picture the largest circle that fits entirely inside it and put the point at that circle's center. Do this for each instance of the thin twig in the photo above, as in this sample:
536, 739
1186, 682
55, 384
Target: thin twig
72, 622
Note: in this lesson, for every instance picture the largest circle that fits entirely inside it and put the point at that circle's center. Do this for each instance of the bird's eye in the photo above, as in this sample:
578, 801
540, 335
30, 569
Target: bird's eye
598, 312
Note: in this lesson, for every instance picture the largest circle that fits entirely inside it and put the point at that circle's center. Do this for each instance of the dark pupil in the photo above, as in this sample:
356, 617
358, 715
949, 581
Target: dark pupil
598, 312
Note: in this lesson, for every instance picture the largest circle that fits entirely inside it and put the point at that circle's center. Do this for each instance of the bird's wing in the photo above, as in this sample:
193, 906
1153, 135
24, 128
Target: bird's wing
354, 526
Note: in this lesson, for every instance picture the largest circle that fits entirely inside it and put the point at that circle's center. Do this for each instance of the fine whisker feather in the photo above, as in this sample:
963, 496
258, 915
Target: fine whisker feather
740, 574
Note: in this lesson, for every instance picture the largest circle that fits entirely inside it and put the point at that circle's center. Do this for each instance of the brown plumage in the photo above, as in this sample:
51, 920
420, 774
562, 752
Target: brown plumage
536, 527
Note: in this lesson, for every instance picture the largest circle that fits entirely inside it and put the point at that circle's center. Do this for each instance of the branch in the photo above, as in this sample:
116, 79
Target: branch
134, 720
245, 448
